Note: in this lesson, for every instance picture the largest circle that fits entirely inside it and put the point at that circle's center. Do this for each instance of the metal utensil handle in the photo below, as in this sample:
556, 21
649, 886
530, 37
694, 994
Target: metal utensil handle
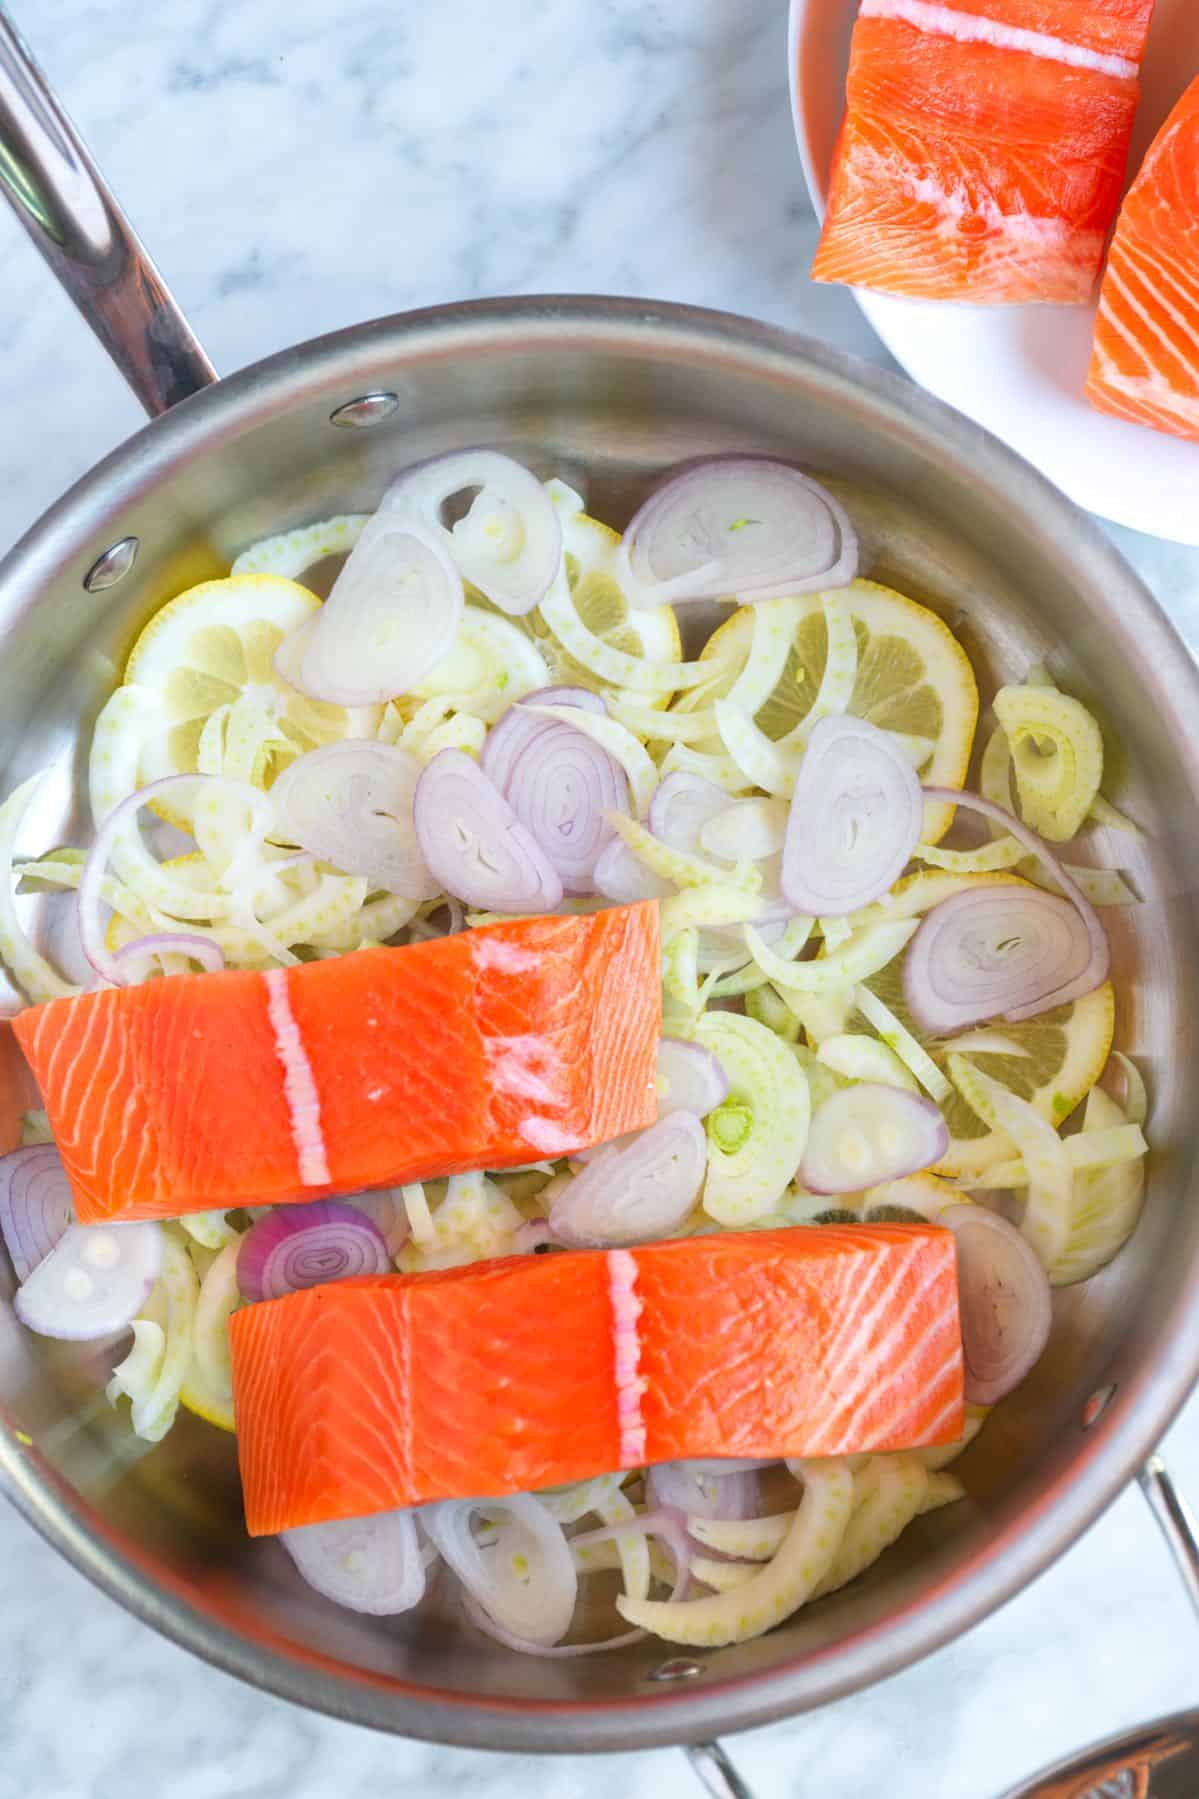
716, 1771
62, 200
1176, 1521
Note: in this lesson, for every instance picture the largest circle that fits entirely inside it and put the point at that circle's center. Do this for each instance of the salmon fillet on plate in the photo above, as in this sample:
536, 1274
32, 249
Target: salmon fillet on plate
983, 149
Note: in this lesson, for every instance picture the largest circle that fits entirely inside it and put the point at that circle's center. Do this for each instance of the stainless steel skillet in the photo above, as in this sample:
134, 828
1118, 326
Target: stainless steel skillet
615, 390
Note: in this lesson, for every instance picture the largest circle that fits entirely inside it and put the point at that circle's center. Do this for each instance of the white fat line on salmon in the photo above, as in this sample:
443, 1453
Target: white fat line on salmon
973, 28
303, 1101
630, 1383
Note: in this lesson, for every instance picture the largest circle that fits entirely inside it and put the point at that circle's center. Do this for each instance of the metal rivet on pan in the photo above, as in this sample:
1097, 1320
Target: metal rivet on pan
1096, 1405
368, 409
678, 1669
113, 565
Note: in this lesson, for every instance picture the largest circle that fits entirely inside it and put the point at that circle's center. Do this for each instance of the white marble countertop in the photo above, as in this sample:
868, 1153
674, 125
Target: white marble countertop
297, 166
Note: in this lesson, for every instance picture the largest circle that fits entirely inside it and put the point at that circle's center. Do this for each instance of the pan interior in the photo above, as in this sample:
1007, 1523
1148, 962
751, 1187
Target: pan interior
608, 399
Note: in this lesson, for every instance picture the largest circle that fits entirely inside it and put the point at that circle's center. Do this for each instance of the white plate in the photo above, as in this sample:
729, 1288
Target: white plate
1018, 370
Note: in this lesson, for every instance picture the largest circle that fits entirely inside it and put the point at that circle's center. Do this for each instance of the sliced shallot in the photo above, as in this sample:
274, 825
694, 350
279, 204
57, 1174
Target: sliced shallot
641, 1190
512, 733
856, 816
385, 1208
1003, 951
350, 804
623, 877
560, 783
682, 805
1004, 1296
690, 1078
704, 1490
869, 1133
475, 845
371, 1565
294, 1247
745, 831
122, 818
93, 1283
35, 1205
135, 960
509, 544
519, 1570
393, 612
743, 525
646, 1524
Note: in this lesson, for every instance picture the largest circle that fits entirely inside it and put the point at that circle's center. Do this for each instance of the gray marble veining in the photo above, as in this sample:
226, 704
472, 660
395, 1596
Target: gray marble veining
296, 167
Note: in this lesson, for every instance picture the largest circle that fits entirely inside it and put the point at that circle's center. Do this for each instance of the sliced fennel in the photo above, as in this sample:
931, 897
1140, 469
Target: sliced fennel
864, 954
292, 553
776, 1590
1107, 1201
615, 667
474, 1222
1046, 1221
678, 866
888, 1494
1136, 1098
901, 1042
945, 1453
749, 1539
764, 1005
1086, 1151
156, 1380
942, 1489
822, 1015
861, 1058
682, 1001
36, 977
1003, 852
569, 1504
210, 1229
632, 1546
700, 906
769, 1091
1057, 756
720, 769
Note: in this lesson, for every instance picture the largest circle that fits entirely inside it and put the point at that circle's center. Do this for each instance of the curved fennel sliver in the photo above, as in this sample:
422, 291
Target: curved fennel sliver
890, 1491
770, 1090
37, 979
1046, 1221
775, 1591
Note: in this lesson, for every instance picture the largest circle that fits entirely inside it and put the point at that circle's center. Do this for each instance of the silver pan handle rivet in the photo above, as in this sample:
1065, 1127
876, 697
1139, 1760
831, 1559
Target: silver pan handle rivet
368, 409
677, 1669
1096, 1405
113, 565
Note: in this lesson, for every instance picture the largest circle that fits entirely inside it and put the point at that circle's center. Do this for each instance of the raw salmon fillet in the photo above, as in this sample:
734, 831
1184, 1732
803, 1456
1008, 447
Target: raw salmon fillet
1145, 364
513, 1375
483, 1050
983, 148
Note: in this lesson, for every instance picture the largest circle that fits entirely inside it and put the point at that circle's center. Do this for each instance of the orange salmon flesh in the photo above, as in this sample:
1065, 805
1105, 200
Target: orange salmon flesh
513, 1375
983, 148
488, 1049
1145, 365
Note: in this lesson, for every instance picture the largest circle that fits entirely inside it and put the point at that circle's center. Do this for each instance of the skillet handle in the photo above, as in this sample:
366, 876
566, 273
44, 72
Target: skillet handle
720, 1778
61, 199
1175, 1520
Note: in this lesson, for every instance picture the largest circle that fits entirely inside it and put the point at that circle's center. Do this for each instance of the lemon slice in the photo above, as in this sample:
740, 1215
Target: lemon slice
207, 1384
913, 677
1063, 1053
599, 599
210, 652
